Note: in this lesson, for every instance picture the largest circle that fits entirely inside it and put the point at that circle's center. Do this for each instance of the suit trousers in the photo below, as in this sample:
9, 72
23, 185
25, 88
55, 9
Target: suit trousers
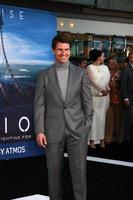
129, 122
77, 152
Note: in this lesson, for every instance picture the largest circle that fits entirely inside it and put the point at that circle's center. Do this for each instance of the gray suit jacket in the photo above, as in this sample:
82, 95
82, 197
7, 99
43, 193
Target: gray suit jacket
53, 115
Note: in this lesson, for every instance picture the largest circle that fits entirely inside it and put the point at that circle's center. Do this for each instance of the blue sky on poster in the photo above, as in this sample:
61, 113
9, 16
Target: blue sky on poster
27, 35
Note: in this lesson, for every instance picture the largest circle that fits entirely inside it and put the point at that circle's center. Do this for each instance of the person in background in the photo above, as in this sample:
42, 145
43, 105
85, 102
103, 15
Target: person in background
126, 86
126, 61
114, 113
99, 76
82, 62
62, 118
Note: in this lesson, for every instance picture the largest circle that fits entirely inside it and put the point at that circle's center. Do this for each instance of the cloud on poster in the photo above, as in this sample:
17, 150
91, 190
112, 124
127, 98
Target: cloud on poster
22, 50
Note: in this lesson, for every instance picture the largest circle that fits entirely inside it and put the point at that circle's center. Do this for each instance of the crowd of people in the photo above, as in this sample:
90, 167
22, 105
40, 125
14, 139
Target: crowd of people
113, 110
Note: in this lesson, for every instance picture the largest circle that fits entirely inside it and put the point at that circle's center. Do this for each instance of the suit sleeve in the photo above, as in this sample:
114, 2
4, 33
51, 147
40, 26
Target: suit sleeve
123, 84
87, 99
39, 104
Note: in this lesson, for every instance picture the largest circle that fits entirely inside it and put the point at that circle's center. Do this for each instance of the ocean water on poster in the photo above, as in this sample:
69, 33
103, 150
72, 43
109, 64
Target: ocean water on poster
16, 112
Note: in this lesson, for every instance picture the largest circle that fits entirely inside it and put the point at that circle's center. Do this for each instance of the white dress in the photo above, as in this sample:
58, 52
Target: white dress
99, 77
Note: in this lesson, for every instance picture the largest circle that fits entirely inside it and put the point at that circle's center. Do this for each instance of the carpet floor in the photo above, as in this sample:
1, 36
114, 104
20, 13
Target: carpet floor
28, 176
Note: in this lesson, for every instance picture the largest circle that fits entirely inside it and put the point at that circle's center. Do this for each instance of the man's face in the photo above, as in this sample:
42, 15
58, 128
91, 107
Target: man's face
84, 64
62, 52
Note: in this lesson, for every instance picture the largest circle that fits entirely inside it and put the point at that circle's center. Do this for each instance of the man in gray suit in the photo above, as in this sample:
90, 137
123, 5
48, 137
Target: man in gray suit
62, 117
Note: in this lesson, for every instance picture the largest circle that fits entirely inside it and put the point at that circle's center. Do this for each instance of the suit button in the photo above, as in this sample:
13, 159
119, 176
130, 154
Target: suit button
64, 107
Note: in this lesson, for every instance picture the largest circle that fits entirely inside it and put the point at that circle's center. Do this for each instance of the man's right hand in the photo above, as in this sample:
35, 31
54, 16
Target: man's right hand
41, 140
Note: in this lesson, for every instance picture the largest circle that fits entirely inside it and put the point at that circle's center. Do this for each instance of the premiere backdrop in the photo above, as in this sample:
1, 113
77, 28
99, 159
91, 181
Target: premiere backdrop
25, 49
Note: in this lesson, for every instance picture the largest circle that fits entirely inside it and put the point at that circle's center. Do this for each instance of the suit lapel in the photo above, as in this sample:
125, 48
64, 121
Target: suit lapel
54, 80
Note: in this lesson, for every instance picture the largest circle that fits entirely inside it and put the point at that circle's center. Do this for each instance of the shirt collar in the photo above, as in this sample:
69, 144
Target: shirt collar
61, 66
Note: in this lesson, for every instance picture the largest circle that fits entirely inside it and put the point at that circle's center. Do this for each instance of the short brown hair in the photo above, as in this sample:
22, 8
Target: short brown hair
60, 38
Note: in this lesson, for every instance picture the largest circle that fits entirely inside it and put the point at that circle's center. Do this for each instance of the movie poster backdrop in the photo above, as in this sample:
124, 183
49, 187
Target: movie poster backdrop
25, 49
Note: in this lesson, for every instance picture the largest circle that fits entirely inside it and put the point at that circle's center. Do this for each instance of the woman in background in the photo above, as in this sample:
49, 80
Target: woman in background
114, 113
99, 76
